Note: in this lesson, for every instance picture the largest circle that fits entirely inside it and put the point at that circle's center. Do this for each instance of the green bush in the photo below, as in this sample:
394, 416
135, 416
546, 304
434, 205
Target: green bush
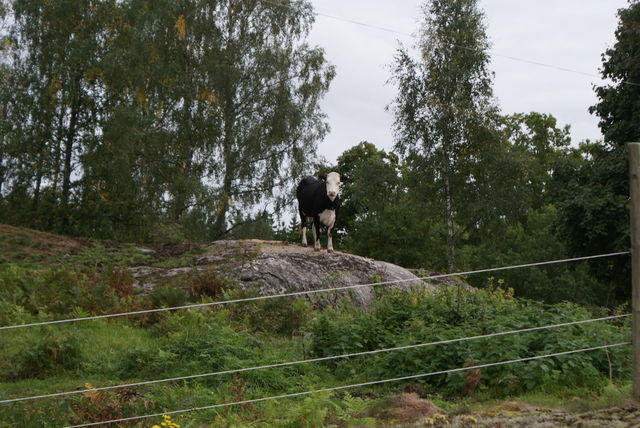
399, 318
191, 341
284, 316
44, 356
55, 291
168, 296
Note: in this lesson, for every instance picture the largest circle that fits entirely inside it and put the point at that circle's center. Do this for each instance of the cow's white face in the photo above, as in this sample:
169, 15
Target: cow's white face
333, 185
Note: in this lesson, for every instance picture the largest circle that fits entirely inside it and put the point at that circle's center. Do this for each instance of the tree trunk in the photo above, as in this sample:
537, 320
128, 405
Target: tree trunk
448, 214
448, 204
56, 157
220, 225
186, 145
68, 148
184, 192
1, 174
36, 192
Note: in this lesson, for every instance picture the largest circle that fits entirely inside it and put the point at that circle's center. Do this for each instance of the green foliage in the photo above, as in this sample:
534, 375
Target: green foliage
168, 295
367, 173
115, 124
55, 291
189, 341
591, 192
285, 316
619, 103
200, 341
444, 113
532, 239
45, 356
591, 185
398, 319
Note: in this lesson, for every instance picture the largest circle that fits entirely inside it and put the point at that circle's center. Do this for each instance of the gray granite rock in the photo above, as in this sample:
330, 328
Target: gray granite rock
271, 267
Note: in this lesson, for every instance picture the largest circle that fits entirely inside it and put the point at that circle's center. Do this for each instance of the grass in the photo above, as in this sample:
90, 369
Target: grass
34, 249
119, 351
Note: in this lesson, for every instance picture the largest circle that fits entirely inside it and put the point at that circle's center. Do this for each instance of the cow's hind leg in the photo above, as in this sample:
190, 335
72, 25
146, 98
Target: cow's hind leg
303, 228
316, 233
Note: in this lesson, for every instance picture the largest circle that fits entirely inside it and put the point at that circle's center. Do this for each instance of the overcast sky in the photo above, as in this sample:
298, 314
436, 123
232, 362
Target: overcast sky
569, 33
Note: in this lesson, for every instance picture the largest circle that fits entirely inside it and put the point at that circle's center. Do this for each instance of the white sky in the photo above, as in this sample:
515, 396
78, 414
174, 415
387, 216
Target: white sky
567, 33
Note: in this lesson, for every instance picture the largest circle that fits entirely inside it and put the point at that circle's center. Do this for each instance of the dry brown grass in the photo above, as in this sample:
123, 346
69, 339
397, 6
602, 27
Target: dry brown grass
19, 244
407, 407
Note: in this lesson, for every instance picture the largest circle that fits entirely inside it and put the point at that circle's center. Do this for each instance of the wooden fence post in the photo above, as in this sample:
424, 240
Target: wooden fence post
634, 185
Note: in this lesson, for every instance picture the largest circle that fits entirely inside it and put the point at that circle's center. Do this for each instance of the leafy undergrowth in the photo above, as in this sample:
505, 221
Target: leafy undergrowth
82, 355
98, 353
32, 249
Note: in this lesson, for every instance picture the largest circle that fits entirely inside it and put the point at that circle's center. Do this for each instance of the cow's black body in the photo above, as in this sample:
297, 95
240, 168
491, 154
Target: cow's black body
313, 199
312, 202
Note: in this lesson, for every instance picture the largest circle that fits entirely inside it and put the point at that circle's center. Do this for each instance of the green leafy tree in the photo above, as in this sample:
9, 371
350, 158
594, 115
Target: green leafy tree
370, 183
129, 114
592, 195
5, 72
444, 104
269, 94
619, 102
52, 102
590, 190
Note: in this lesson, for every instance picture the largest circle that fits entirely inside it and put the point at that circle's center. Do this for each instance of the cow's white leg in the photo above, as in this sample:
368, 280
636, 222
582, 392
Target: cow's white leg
316, 238
328, 217
303, 229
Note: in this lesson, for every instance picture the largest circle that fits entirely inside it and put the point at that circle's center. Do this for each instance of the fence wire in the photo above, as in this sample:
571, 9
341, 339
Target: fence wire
337, 388
311, 360
310, 292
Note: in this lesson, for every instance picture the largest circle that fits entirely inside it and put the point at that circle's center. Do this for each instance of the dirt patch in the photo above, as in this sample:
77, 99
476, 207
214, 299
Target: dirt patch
513, 406
515, 414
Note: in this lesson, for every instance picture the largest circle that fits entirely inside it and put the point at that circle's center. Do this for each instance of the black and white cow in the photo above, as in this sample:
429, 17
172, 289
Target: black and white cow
318, 200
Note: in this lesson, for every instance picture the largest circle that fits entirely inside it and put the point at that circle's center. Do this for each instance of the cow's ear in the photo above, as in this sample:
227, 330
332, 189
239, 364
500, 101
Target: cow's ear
323, 177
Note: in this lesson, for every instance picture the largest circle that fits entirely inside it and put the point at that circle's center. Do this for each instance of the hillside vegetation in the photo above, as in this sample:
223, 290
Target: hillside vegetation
45, 277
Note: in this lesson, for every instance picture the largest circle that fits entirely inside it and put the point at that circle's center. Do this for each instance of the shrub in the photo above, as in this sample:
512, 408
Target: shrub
208, 283
46, 355
397, 319
168, 296
192, 340
284, 316
120, 281
57, 291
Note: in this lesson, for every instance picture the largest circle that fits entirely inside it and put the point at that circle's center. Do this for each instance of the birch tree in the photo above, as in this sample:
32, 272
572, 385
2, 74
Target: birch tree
444, 104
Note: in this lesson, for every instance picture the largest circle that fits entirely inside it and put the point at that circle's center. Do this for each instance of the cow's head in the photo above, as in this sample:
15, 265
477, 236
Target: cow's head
333, 184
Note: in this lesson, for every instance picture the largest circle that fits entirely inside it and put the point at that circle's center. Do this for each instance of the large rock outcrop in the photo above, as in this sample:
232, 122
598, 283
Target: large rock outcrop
271, 267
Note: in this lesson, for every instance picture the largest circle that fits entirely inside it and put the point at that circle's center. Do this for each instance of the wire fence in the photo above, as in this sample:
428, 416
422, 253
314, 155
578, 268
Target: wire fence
311, 360
334, 289
356, 385
326, 358
311, 292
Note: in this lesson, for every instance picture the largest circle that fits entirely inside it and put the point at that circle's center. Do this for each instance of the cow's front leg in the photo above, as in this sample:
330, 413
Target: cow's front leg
329, 240
316, 233
303, 228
